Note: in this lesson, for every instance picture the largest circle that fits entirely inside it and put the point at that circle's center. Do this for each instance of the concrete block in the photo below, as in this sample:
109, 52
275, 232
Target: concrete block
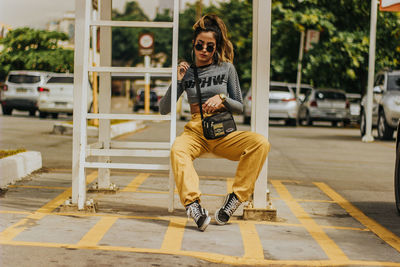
116, 129
15, 167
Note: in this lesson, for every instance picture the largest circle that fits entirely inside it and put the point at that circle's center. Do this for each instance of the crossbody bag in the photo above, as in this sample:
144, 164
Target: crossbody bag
218, 125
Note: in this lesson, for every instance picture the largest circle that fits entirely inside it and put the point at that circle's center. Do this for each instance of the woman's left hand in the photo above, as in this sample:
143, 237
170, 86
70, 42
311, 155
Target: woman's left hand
213, 104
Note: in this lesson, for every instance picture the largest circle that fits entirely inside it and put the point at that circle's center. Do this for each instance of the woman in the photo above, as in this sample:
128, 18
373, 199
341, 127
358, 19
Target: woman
220, 90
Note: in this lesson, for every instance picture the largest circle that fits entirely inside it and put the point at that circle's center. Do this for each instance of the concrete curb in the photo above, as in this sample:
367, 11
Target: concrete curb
116, 129
14, 168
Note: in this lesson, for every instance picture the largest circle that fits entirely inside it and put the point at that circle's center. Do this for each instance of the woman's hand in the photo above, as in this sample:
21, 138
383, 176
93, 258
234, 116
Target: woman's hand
213, 104
182, 68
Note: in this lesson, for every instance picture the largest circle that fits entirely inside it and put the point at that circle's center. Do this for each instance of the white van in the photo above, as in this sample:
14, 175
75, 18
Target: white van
57, 95
21, 91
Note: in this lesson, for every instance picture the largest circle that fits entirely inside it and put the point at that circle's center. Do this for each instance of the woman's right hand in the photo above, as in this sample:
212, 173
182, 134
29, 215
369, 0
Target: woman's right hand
182, 68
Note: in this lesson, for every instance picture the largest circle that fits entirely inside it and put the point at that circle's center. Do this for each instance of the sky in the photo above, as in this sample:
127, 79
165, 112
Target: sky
37, 13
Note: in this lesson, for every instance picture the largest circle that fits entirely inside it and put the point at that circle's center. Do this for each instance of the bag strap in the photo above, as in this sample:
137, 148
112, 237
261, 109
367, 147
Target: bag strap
196, 81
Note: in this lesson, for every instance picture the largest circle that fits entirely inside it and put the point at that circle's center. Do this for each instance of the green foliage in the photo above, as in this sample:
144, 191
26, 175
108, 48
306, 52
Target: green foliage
340, 59
125, 40
30, 49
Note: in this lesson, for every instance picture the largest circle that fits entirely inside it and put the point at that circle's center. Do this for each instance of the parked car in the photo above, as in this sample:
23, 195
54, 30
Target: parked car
355, 107
305, 89
21, 91
184, 113
386, 104
139, 102
397, 170
282, 104
325, 105
57, 95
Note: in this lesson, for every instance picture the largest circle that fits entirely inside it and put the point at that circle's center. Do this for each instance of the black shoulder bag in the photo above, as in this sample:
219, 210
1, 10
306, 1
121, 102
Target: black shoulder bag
218, 125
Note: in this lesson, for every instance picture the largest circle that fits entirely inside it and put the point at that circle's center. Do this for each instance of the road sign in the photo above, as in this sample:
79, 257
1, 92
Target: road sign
312, 38
390, 5
146, 44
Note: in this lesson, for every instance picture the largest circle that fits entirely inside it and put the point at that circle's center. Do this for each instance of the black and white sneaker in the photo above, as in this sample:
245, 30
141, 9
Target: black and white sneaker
230, 206
199, 215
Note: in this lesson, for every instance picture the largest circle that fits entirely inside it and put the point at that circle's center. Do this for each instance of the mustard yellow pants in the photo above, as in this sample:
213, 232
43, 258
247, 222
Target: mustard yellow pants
249, 148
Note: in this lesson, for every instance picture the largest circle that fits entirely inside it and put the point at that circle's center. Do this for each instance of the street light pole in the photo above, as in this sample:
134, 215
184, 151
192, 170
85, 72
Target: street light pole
300, 65
371, 71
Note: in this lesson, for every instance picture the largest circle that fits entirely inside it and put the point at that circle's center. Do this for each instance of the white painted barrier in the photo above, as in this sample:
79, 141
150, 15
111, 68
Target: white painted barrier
14, 168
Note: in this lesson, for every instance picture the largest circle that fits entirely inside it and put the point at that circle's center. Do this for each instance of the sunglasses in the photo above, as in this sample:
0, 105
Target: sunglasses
209, 48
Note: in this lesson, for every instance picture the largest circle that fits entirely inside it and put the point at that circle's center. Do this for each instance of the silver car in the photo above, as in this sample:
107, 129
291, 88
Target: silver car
21, 91
324, 105
282, 104
386, 104
57, 95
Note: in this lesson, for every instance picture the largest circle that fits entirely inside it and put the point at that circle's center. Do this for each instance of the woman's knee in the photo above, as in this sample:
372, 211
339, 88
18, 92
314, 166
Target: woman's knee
262, 142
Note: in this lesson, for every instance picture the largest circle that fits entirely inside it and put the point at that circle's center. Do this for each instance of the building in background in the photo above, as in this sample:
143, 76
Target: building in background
165, 5
67, 25
4, 29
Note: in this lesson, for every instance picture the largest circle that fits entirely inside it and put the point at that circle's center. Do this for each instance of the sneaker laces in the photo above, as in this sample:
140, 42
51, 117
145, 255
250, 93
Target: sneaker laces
231, 206
195, 211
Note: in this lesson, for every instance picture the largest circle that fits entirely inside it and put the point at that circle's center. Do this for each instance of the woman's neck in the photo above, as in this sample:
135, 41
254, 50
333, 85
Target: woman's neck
203, 63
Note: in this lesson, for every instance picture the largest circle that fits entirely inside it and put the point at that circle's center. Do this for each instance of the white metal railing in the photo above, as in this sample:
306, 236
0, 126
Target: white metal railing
105, 147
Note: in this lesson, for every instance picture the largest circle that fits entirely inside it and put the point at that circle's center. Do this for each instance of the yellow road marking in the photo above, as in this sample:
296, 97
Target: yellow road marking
38, 187
136, 182
93, 237
251, 241
331, 249
386, 235
213, 257
174, 235
15, 229
169, 218
315, 200
229, 185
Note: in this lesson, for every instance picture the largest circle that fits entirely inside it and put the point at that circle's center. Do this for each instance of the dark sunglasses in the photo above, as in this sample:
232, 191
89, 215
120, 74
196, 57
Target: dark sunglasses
209, 48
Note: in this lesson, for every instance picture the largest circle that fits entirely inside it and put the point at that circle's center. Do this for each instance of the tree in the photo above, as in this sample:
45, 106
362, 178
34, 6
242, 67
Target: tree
340, 59
125, 40
30, 49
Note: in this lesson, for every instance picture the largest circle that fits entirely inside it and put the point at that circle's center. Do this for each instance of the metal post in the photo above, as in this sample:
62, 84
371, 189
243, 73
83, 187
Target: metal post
105, 91
81, 80
147, 86
371, 72
175, 31
260, 85
299, 66
94, 74
78, 66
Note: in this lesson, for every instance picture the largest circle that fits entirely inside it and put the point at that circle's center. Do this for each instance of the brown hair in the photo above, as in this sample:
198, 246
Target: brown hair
212, 23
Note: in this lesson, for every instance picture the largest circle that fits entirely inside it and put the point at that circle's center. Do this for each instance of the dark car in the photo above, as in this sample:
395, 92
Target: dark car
139, 102
397, 170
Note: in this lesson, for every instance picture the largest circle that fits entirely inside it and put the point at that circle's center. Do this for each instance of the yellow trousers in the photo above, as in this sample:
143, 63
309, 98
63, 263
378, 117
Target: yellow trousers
249, 148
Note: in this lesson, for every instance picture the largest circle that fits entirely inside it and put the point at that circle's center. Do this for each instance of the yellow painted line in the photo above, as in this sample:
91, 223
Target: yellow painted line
229, 185
315, 200
331, 249
386, 235
212, 257
136, 182
345, 228
174, 235
38, 187
93, 237
124, 136
251, 241
15, 229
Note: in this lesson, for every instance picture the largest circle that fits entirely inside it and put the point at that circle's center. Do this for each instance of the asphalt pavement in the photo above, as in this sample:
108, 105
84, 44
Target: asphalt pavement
333, 194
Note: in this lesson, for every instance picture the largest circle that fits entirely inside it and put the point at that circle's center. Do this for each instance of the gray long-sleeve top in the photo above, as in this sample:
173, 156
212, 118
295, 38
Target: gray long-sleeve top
213, 79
